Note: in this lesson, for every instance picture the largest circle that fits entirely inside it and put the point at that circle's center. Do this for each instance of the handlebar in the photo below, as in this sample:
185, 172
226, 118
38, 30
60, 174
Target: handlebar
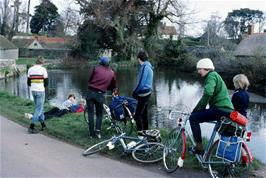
174, 114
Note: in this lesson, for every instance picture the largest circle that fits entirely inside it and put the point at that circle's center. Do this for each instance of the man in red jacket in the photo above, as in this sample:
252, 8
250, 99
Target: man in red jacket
102, 79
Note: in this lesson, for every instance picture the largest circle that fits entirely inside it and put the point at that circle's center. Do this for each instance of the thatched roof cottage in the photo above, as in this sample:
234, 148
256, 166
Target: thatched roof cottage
252, 46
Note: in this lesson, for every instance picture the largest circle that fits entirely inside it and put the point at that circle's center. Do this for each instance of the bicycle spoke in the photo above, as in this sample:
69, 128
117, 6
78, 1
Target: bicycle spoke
173, 150
148, 153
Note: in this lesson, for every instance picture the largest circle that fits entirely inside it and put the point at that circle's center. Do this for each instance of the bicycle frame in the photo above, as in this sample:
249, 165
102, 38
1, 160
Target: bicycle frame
202, 159
122, 140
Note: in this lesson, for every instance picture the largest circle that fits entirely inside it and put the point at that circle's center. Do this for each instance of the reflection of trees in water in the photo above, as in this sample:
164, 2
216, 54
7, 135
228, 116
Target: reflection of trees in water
256, 116
62, 83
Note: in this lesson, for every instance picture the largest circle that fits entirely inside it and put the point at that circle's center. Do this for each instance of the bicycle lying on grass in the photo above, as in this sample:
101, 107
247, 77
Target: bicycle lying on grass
218, 166
142, 149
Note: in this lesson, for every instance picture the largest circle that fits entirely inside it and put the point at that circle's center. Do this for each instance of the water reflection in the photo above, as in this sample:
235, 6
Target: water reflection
170, 90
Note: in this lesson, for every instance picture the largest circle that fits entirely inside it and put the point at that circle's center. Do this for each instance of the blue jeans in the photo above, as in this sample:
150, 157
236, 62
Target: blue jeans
38, 98
96, 99
205, 115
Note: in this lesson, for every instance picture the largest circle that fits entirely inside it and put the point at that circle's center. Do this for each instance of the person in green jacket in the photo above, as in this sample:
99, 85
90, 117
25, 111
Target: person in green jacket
215, 95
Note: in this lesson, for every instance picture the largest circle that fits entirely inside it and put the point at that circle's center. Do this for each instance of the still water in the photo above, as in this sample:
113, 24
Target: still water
170, 90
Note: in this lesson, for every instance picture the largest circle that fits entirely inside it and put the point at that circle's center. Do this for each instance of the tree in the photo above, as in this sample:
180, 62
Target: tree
28, 17
45, 18
237, 21
129, 21
4, 17
71, 20
212, 30
116, 22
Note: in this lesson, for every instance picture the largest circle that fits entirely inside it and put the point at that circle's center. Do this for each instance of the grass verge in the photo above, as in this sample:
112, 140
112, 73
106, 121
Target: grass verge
72, 127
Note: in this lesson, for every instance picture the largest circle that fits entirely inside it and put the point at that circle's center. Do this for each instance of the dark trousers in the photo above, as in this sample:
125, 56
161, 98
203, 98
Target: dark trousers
55, 112
96, 99
205, 115
141, 114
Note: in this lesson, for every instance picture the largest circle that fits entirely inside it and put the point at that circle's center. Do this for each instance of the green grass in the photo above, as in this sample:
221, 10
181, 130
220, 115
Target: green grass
26, 61
73, 129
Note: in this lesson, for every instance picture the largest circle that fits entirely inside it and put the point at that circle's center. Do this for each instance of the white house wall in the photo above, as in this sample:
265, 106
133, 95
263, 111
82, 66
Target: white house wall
9, 54
35, 45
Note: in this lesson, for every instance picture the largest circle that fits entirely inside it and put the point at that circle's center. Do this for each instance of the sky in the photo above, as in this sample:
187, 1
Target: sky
203, 8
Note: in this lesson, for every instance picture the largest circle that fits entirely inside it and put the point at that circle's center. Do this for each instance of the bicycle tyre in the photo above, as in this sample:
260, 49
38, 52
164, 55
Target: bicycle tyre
149, 152
173, 150
85, 114
96, 148
227, 169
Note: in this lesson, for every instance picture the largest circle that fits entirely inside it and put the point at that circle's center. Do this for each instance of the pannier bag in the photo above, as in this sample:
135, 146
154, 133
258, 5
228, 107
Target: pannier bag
117, 109
229, 148
229, 128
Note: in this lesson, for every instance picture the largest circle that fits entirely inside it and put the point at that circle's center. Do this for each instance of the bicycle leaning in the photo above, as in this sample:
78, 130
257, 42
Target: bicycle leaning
216, 162
125, 125
142, 149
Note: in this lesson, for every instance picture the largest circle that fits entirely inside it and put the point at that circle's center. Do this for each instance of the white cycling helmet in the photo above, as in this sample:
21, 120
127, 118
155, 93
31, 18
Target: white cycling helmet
205, 63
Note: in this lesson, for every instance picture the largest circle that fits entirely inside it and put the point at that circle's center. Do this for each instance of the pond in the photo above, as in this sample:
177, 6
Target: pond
171, 89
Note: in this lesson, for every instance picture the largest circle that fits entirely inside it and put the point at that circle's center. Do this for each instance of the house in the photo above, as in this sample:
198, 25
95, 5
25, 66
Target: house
7, 49
254, 45
49, 47
167, 32
8, 56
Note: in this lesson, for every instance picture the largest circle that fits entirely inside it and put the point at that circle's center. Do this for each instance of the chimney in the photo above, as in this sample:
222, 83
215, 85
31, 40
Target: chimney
250, 29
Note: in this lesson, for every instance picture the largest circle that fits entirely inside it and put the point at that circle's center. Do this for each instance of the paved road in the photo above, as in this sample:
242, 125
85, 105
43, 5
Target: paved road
27, 155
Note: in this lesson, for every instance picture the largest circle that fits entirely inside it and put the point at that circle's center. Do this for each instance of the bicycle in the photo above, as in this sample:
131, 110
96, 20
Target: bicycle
141, 149
124, 125
175, 150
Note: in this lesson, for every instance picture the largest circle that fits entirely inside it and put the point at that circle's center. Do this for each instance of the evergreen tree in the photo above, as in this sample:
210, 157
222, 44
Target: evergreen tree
45, 18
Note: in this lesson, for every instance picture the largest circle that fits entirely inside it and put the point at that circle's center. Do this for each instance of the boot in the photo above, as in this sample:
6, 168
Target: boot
198, 149
32, 130
98, 134
43, 126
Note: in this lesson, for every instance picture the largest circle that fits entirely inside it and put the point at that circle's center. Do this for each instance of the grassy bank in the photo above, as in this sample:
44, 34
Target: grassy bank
71, 128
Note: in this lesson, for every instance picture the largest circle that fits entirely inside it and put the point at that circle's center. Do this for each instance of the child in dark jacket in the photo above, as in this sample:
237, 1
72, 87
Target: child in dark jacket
240, 98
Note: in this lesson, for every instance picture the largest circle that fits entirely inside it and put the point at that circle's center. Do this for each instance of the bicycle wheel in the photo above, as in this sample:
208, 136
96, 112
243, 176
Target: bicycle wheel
149, 152
85, 114
96, 148
227, 169
173, 150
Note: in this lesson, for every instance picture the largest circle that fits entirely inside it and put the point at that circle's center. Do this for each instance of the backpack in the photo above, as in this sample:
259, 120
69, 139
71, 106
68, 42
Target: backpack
117, 109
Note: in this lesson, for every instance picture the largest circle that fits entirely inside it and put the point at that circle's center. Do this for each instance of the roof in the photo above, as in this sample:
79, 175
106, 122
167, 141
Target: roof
167, 30
253, 45
6, 44
46, 42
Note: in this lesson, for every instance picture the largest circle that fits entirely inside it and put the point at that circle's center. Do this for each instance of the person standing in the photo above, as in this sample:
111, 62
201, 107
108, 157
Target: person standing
142, 92
37, 81
216, 95
240, 98
102, 79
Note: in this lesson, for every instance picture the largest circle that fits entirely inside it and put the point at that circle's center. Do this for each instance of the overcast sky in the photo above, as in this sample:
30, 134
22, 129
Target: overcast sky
203, 8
